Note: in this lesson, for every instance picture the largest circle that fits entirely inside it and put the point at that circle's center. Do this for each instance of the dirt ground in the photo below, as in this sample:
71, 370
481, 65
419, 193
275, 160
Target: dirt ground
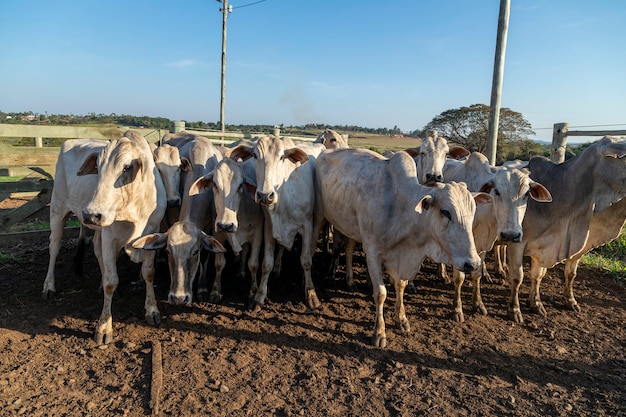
219, 360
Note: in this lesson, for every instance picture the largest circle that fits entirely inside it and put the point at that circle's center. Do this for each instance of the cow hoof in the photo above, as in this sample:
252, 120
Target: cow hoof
254, 307
480, 309
203, 296
573, 306
103, 338
458, 317
539, 309
49, 295
215, 298
405, 327
516, 316
153, 319
312, 301
379, 341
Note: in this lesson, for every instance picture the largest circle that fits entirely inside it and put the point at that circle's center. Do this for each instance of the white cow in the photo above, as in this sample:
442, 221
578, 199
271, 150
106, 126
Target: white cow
587, 183
379, 202
286, 191
500, 221
186, 238
115, 189
239, 219
331, 139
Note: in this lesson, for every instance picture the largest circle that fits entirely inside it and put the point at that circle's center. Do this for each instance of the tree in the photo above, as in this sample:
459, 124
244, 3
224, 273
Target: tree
469, 126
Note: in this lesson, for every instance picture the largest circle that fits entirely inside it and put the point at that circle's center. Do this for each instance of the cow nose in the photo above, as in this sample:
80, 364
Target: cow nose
179, 299
226, 227
433, 178
468, 267
511, 236
266, 198
91, 218
174, 202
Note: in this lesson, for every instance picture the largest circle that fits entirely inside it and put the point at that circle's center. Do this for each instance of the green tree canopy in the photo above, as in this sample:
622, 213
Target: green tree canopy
469, 126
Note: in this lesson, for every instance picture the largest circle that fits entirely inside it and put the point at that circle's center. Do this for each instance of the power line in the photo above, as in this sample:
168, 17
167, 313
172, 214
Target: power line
249, 4
577, 127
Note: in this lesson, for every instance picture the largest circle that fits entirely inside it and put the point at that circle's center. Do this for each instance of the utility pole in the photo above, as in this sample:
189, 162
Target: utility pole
225, 10
498, 74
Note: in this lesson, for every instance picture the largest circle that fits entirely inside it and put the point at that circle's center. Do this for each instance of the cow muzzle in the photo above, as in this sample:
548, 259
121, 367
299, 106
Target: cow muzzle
511, 236
266, 199
225, 227
92, 218
432, 179
182, 299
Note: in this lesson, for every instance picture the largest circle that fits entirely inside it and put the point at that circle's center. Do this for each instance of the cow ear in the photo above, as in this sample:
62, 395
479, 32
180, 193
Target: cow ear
539, 193
414, 152
482, 198
152, 241
202, 184
185, 165
242, 152
487, 187
211, 244
424, 204
296, 155
457, 152
90, 166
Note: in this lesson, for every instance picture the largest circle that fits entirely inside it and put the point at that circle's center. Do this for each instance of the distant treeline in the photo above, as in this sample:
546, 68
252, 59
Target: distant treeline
164, 123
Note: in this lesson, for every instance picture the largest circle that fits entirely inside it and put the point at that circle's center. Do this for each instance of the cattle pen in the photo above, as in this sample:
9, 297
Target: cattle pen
287, 360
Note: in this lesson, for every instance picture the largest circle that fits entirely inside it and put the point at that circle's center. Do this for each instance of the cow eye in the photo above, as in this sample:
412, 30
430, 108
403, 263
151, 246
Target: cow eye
195, 252
446, 213
496, 192
127, 168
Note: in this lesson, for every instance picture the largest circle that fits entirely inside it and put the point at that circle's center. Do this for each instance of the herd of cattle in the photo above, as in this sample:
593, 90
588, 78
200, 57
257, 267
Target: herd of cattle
434, 201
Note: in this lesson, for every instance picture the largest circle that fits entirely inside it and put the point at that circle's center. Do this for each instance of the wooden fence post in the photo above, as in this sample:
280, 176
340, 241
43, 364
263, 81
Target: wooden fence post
559, 142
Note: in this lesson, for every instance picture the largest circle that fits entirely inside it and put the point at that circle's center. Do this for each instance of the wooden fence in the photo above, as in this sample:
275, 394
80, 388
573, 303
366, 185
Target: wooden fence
37, 163
561, 132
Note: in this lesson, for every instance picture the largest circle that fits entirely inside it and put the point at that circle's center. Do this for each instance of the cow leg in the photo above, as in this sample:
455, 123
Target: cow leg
57, 223
215, 295
477, 300
109, 253
201, 274
244, 256
537, 273
571, 267
443, 273
306, 260
499, 252
153, 315
257, 299
350, 243
458, 278
399, 312
379, 338
278, 260
516, 276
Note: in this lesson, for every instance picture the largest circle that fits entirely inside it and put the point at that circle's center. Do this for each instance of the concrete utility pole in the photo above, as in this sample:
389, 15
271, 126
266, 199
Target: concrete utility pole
498, 75
225, 10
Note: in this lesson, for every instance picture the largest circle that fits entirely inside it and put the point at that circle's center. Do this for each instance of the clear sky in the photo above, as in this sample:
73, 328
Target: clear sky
342, 62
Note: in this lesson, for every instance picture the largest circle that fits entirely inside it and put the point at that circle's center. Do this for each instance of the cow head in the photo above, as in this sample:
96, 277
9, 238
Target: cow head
183, 243
168, 162
273, 163
123, 166
510, 189
450, 209
229, 184
331, 139
431, 156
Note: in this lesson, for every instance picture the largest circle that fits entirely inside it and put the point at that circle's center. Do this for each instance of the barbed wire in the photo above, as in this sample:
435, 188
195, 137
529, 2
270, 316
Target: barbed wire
582, 126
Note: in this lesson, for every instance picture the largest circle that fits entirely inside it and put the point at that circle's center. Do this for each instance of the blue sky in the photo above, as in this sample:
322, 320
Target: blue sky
342, 62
